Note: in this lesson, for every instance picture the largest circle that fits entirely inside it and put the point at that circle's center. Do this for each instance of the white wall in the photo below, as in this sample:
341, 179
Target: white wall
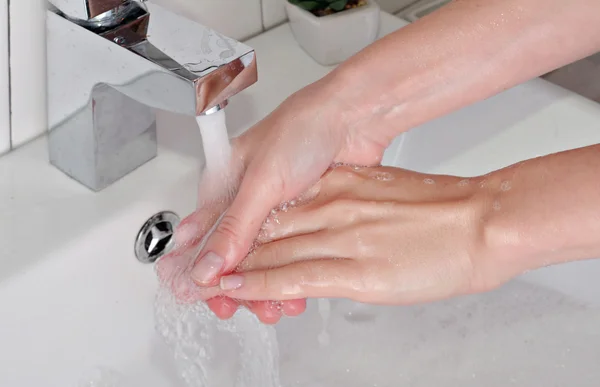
241, 19
238, 19
4, 85
27, 69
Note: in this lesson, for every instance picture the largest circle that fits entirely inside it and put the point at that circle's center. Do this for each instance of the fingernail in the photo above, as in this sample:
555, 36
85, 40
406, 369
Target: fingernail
207, 268
231, 282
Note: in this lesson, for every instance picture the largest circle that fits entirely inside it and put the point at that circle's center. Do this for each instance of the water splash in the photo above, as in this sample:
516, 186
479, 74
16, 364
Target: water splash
209, 352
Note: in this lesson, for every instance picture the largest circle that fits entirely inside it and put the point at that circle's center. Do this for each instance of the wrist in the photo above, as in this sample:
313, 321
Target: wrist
322, 103
503, 252
531, 222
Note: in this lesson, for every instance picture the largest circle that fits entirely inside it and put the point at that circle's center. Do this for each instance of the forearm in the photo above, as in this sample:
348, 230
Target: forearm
544, 211
460, 54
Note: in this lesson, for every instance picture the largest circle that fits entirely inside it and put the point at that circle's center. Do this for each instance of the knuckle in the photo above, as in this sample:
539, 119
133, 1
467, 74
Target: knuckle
229, 228
350, 208
276, 252
270, 255
265, 281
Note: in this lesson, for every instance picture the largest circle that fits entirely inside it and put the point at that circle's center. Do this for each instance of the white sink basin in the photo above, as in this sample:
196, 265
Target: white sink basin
75, 298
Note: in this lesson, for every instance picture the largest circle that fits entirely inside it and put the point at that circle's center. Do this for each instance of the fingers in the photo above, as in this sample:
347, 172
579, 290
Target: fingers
293, 308
295, 222
316, 217
223, 307
192, 228
173, 271
234, 234
308, 279
268, 312
324, 244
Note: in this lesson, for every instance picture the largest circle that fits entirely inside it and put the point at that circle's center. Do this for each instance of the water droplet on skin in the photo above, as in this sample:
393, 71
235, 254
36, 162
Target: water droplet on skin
429, 181
277, 305
496, 206
483, 184
505, 186
382, 176
463, 183
396, 110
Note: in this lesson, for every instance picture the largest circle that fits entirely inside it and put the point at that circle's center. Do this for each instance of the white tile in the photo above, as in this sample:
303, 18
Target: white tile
274, 10
4, 81
237, 19
273, 13
28, 69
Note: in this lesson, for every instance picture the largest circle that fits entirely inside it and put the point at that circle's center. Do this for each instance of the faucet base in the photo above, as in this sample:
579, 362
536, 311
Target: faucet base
99, 144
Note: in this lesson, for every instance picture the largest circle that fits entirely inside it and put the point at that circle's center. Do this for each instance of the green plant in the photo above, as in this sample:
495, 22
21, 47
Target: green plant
326, 7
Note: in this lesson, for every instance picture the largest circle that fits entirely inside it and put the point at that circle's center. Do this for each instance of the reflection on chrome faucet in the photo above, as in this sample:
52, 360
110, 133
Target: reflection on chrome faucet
111, 63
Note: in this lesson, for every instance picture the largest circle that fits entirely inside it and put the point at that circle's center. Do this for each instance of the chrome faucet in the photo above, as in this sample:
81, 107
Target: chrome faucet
111, 63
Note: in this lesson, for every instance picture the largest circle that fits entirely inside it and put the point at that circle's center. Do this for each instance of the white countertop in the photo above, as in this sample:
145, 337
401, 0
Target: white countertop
36, 200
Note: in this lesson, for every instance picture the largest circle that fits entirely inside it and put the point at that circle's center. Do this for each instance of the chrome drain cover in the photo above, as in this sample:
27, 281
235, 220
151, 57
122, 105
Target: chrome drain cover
155, 238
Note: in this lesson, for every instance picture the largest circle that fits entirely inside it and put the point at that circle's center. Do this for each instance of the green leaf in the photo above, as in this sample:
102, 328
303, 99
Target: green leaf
308, 5
338, 5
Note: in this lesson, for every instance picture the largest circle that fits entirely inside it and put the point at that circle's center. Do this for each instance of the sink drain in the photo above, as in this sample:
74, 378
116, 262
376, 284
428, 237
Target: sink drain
155, 238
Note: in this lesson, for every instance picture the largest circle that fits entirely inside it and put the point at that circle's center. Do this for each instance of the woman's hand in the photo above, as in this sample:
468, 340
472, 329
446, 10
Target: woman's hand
281, 157
390, 236
273, 162
376, 235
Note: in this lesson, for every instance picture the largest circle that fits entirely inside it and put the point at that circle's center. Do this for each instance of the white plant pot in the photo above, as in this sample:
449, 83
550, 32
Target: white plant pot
334, 38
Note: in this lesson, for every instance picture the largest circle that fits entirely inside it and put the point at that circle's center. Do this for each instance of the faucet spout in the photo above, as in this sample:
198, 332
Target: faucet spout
109, 70
86, 9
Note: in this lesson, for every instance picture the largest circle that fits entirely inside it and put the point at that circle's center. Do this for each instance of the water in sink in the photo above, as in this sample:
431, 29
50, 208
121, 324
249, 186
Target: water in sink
240, 352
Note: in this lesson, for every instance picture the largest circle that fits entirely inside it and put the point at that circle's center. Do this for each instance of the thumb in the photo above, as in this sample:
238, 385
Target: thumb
328, 278
239, 226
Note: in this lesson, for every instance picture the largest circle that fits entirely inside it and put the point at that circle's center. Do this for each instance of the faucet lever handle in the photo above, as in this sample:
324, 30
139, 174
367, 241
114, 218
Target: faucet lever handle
98, 7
